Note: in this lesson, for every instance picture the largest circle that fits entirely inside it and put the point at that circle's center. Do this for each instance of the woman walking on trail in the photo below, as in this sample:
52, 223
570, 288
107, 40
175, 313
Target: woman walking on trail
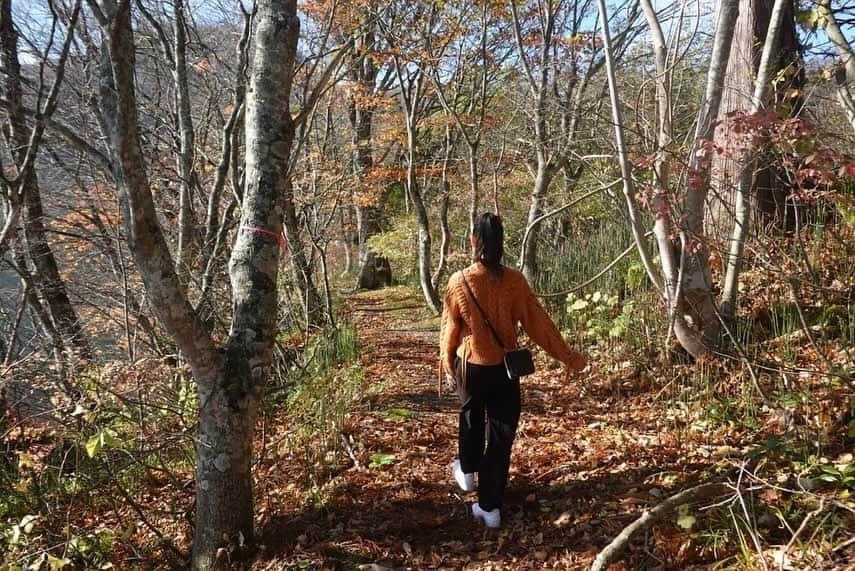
482, 307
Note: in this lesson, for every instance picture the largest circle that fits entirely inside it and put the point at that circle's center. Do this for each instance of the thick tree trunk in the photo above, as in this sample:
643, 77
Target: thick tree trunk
698, 330
228, 412
224, 494
747, 164
229, 383
767, 197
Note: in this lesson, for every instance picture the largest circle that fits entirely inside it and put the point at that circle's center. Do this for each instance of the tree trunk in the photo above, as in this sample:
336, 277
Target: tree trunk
698, 331
229, 407
446, 235
27, 194
445, 185
49, 282
845, 76
662, 167
224, 494
768, 192
430, 294
301, 268
411, 96
186, 222
687, 284
229, 382
528, 256
473, 185
374, 270
623, 156
747, 164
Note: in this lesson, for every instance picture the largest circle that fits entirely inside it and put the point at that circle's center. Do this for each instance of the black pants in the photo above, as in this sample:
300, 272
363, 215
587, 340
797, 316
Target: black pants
488, 390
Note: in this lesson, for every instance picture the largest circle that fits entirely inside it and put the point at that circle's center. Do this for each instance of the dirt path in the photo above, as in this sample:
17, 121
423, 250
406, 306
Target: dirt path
583, 467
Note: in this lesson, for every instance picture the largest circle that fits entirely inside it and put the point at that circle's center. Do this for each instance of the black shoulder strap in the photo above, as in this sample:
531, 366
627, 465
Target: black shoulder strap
483, 313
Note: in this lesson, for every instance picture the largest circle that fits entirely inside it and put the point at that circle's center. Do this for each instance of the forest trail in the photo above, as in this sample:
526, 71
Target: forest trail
585, 464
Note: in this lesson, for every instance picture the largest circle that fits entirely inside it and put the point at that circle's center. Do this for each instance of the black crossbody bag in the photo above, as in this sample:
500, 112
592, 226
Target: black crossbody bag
518, 363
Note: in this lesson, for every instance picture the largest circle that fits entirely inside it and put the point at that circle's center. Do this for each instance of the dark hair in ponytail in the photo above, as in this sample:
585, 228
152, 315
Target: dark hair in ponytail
489, 241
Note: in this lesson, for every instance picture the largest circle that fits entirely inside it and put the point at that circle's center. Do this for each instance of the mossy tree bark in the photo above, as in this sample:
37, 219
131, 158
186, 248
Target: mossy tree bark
229, 380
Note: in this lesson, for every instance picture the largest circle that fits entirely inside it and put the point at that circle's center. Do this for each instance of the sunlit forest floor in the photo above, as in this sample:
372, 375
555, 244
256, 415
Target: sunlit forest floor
354, 447
589, 458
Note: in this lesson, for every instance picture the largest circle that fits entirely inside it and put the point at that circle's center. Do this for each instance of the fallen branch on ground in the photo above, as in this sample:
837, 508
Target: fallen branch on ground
614, 549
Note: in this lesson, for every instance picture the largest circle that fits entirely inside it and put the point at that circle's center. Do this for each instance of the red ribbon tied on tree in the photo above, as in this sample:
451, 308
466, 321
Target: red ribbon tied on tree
280, 237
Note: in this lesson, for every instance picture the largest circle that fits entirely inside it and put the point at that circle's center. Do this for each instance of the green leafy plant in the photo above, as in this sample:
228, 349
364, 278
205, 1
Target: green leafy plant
381, 460
398, 414
593, 313
599, 316
684, 517
841, 475
104, 438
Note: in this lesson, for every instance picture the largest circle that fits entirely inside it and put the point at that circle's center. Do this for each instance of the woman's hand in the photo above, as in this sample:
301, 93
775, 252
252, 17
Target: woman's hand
448, 369
572, 370
451, 381
577, 363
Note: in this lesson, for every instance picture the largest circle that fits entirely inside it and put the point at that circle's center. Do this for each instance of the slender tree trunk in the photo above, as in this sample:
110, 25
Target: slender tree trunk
669, 251
535, 210
187, 136
301, 268
623, 156
50, 283
215, 228
9, 350
662, 167
374, 270
24, 143
445, 185
346, 237
473, 185
445, 245
538, 85
40, 315
430, 294
845, 77
687, 286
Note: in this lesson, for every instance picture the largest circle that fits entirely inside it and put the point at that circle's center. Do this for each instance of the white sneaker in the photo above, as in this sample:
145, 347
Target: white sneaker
465, 481
492, 518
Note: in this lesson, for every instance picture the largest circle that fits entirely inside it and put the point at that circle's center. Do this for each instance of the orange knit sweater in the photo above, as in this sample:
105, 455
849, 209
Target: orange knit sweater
508, 300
